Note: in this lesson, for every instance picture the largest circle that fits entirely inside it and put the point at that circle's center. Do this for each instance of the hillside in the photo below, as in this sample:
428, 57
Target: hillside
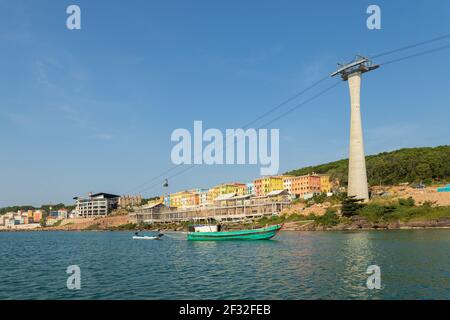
425, 164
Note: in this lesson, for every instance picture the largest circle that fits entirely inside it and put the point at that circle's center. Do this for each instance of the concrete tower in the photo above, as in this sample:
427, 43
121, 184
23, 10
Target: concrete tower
357, 174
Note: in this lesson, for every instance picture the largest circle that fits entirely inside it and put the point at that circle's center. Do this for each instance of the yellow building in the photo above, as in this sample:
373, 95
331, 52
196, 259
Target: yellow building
238, 188
213, 193
265, 185
325, 183
183, 199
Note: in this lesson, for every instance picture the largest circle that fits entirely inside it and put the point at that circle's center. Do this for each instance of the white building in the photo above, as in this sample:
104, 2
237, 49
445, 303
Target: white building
203, 197
250, 188
96, 205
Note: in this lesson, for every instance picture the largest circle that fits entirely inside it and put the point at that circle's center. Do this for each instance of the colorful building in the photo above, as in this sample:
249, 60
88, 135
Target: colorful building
226, 188
325, 183
265, 185
203, 197
37, 216
287, 183
58, 214
250, 188
187, 198
305, 186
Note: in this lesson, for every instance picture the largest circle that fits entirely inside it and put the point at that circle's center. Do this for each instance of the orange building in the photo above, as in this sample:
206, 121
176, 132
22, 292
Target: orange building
37, 215
305, 185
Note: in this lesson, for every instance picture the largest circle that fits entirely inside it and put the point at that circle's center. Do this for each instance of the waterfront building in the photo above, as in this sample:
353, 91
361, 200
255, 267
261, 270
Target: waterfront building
226, 207
58, 214
226, 188
9, 222
238, 188
175, 199
63, 213
191, 199
264, 185
37, 216
95, 205
184, 199
305, 186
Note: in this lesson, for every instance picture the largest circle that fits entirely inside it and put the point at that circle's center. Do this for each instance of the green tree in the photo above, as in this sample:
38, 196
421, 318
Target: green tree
404, 165
409, 202
43, 221
350, 206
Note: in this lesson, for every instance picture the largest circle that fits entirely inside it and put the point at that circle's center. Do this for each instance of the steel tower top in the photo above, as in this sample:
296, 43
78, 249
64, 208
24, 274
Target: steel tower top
360, 64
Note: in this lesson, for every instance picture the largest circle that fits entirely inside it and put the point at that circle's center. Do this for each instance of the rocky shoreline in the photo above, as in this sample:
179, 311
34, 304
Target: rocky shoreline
359, 223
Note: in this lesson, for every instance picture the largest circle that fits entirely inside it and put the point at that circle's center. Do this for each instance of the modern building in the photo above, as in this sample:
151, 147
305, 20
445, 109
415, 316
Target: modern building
96, 205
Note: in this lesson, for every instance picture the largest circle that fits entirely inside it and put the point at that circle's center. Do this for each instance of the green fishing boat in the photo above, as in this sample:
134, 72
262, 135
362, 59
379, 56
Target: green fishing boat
213, 233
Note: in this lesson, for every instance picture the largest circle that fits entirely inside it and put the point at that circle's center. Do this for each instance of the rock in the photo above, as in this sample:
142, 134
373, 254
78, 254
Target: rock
340, 226
393, 225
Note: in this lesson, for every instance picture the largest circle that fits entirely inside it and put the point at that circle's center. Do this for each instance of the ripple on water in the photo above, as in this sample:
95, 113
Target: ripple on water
294, 265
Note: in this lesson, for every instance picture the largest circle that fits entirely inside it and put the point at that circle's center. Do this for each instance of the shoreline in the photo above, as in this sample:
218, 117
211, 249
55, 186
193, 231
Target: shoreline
289, 227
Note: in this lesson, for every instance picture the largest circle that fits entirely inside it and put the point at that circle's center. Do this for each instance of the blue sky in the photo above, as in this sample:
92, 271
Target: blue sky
93, 109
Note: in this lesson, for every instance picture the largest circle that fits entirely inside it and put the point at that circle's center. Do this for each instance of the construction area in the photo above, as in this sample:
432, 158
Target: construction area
228, 208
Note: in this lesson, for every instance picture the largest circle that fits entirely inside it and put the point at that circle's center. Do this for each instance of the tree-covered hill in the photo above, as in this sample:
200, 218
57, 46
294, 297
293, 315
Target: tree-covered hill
405, 165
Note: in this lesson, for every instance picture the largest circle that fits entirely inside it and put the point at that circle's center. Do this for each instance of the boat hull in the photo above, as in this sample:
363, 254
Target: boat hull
146, 238
254, 234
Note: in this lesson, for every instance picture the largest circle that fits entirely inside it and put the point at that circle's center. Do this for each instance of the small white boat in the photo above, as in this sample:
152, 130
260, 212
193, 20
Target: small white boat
158, 237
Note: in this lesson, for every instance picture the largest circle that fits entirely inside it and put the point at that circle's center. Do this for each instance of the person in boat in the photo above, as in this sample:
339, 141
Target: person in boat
136, 233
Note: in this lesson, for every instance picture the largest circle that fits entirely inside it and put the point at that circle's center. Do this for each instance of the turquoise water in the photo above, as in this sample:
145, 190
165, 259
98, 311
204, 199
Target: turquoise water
415, 264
